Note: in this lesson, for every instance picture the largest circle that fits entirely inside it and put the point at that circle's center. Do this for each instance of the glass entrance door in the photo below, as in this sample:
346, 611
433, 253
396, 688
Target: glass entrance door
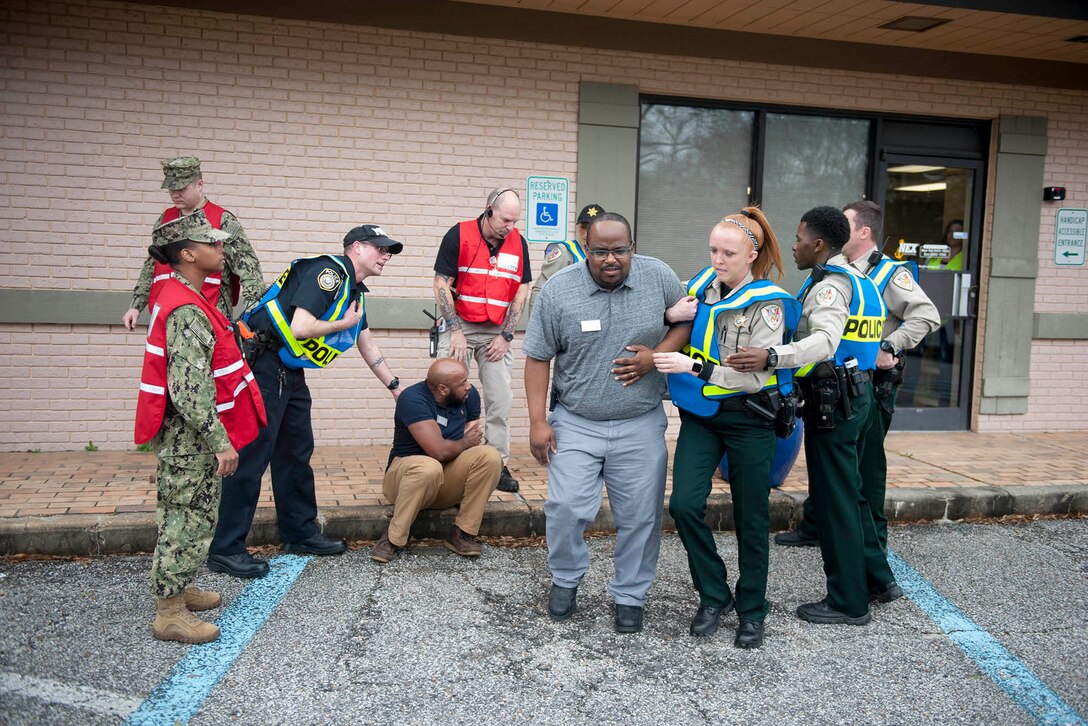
932, 215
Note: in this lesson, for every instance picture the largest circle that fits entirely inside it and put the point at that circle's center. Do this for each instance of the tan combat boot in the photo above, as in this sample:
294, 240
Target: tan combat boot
174, 622
197, 600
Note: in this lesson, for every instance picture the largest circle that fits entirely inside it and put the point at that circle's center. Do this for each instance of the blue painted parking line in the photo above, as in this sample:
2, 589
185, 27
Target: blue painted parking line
181, 694
992, 658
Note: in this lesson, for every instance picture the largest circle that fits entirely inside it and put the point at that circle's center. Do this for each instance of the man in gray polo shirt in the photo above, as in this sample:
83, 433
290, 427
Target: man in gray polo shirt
602, 321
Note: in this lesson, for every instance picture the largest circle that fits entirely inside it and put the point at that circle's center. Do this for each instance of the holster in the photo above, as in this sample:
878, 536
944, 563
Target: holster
256, 345
764, 405
885, 382
786, 417
822, 395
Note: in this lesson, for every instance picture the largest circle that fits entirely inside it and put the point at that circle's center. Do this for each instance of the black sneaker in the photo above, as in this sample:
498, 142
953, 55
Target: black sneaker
796, 538
507, 483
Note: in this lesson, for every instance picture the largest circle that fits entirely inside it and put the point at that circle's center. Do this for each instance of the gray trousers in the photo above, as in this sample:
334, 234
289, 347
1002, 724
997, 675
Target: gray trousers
494, 381
630, 455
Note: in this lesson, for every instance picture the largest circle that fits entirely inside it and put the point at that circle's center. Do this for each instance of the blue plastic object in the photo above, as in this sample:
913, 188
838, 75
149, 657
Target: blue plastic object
784, 456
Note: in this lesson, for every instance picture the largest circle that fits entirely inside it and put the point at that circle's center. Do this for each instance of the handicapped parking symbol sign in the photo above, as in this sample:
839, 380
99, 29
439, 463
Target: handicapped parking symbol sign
547, 215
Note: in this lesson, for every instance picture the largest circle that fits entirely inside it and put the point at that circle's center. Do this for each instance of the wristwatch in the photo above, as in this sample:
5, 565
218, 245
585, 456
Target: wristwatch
887, 347
507, 335
696, 367
393, 384
772, 359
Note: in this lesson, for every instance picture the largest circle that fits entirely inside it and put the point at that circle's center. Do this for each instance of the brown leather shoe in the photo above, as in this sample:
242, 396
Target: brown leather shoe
383, 550
461, 543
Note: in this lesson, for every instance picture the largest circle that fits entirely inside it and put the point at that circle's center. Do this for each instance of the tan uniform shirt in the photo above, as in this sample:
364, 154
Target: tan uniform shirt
760, 325
911, 314
823, 317
556, 257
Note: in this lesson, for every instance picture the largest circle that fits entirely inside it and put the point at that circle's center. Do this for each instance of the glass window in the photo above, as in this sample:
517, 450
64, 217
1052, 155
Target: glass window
694, 168
810, 161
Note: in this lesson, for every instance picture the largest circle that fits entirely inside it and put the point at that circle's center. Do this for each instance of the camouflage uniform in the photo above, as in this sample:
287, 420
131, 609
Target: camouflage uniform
191, 434
241, 259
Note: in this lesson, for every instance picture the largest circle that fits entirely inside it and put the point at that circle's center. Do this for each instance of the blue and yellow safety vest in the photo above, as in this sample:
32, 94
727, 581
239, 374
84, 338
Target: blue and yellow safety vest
864, 323
691, 393
574, 248
311, 352
885, 269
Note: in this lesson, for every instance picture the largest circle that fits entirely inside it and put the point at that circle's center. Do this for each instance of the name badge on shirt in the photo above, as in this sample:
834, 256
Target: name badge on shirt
442, 420
508, 262
591, 326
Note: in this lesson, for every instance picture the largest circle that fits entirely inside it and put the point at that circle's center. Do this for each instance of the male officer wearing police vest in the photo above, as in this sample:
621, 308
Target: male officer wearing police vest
835, 347
563, 254
240, 277
481, 283
314, 312
911, 317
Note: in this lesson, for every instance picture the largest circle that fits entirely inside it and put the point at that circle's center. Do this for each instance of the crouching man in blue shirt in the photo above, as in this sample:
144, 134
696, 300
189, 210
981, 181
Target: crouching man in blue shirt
438, 460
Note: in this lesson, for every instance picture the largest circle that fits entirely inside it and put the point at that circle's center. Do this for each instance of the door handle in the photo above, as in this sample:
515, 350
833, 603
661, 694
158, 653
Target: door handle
961, 295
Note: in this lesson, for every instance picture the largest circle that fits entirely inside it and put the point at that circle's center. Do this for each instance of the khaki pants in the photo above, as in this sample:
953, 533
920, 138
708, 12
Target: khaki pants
494, 381
414, 483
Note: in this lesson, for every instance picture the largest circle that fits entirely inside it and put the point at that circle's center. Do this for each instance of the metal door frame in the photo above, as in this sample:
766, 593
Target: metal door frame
952, 418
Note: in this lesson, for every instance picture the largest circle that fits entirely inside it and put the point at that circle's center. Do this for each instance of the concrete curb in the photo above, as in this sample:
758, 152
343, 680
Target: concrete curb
92, 535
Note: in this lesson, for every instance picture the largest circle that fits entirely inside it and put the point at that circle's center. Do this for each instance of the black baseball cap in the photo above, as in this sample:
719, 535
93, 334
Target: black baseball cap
374, 235
589, 213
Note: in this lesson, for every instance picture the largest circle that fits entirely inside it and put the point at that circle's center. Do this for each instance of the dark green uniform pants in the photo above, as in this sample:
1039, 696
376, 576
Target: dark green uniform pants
750, 444
873, 465
853, 559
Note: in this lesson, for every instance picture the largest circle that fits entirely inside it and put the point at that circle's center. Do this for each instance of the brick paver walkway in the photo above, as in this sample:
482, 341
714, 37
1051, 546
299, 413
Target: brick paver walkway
107, 482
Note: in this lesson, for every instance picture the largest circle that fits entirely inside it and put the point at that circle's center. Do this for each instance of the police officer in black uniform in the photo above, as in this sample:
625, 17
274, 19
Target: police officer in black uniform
312, 313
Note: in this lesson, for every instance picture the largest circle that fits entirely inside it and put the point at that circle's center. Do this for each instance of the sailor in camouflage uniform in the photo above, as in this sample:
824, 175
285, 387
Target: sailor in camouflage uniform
178, 412
241, 279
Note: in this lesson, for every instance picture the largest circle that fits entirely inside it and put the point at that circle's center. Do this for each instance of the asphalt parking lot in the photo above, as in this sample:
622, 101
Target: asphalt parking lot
434, 638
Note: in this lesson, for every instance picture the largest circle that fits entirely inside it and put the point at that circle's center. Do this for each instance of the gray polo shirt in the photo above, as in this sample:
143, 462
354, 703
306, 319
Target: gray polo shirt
584, 327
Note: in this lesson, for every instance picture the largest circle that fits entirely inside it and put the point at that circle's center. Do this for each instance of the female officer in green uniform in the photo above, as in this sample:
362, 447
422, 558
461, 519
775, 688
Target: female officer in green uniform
726, 411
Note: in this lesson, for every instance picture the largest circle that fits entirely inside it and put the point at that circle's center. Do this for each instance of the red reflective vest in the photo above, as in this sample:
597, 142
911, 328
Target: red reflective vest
486, 285
237, 397
213, 282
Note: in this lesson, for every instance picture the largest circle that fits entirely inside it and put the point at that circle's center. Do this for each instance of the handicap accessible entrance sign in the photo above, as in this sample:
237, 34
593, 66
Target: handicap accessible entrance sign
546, 209
1070, 236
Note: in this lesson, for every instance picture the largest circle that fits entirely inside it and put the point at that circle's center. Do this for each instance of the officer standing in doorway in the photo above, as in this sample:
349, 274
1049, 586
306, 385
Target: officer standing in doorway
314, 312
911, 317
241, 275
836, 345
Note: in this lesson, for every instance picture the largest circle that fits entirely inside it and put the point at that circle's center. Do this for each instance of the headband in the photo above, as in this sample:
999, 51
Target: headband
747, 231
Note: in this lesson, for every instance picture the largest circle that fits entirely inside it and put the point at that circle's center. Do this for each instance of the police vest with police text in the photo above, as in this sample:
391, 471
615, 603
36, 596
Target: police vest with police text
311, 352
213, 283
238, 400
691, 393
864, 323
486, 283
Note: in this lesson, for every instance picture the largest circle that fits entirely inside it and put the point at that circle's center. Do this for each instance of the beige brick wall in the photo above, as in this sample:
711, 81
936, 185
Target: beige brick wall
307, 129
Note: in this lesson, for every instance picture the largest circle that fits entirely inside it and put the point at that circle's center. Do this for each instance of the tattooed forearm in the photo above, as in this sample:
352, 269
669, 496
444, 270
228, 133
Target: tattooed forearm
445, 303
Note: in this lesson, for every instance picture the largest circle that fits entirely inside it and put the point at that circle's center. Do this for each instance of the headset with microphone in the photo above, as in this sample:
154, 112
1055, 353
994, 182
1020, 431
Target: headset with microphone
493, 198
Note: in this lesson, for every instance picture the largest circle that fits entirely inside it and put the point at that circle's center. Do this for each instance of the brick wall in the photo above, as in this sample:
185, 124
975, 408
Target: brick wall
307, 129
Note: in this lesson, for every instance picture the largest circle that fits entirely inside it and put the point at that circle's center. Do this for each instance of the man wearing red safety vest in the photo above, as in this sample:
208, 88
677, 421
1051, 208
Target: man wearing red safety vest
241, 276
481, 282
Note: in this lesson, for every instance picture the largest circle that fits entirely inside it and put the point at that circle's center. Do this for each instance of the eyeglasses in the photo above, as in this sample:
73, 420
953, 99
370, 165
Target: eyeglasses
618, 253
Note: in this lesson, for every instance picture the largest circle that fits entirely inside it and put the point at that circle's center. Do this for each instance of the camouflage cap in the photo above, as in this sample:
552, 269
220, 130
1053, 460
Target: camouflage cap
195, 227
180, 172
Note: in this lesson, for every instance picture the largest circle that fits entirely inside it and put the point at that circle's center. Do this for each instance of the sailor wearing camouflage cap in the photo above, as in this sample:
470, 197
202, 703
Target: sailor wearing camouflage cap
241, 274
192, 363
